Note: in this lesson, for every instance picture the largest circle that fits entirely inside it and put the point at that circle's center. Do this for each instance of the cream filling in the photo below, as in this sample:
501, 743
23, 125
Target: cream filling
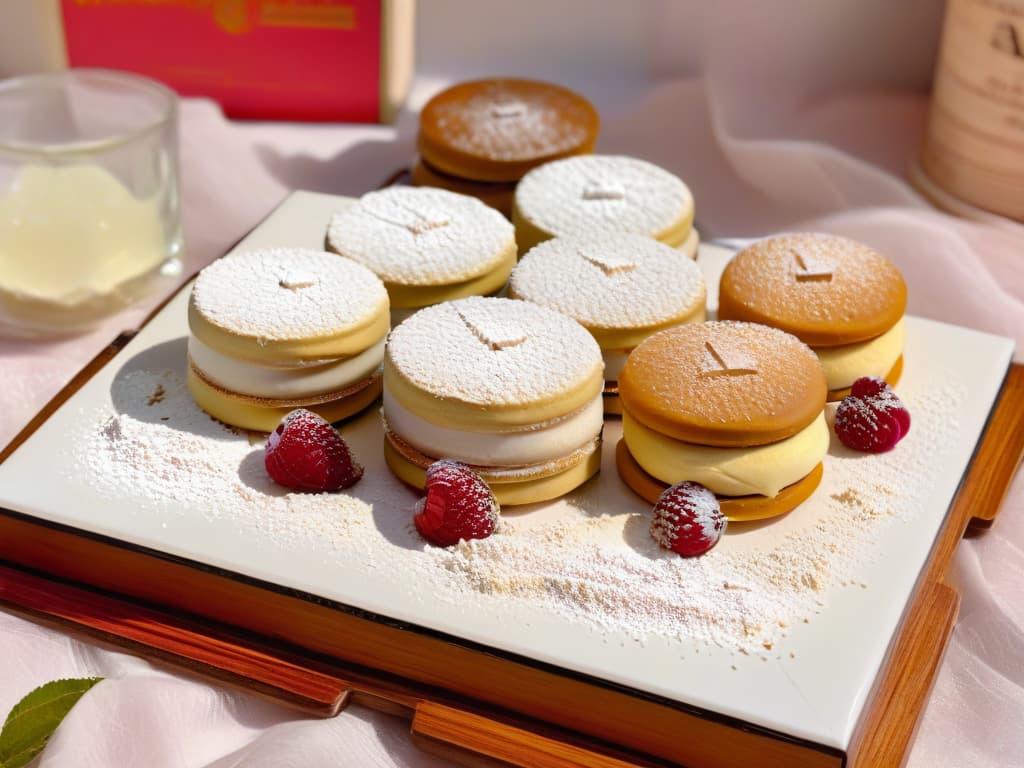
614, 362
532, 445
762, 469
279, 383
874, 357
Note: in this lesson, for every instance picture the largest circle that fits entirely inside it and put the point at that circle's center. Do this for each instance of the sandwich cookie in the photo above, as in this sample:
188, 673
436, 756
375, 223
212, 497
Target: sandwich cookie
427, 245
508, 387
278, 329
478, 138
736, 407
621, 287
601, 195
843, 299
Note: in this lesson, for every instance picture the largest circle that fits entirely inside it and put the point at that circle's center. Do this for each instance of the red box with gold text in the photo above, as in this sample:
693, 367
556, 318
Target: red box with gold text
316, 60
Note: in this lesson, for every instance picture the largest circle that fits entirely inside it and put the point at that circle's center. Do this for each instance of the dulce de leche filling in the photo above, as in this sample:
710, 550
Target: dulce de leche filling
284, 382
763, 469
845, 364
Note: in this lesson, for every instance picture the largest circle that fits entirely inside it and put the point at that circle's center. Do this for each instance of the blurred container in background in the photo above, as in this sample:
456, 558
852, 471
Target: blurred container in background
973, 152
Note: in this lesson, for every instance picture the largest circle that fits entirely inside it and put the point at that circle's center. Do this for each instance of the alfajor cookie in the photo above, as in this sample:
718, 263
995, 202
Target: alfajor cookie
842, 298
497, 194
508, 387
621, 287
601, 195
277, 329
736, 407
427, 245
497, 129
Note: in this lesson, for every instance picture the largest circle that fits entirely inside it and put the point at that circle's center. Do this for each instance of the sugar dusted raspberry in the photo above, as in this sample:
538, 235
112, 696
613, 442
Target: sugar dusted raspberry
871, 418
459, 505
687, 519
305, 453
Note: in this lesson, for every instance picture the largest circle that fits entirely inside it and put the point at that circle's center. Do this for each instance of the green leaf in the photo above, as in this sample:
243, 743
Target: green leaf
34, 719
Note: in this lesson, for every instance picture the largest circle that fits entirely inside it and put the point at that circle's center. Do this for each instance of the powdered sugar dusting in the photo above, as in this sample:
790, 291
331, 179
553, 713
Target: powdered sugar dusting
745, 594
687, 519
440, 353
422, 235
286, 293
593, 564
509, 120
590, 194
587, 278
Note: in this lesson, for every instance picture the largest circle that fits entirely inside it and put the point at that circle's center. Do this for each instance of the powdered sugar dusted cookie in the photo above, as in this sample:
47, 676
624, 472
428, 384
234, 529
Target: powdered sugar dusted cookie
603, 194
620, 287
495, 130
280, 328
841, 297
737, 407
427, 245
508, 387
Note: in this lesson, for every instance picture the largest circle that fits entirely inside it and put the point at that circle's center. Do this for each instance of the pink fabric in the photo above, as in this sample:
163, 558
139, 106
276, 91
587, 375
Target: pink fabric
836, 163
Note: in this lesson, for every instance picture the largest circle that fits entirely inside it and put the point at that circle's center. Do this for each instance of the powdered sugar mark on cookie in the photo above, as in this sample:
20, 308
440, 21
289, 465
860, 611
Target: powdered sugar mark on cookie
609, 263
496, 335
727, 357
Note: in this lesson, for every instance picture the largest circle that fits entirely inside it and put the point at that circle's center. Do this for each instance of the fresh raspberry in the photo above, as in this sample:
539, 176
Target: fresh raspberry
459, 505
305, 453
871, 418
687, 519
866, 386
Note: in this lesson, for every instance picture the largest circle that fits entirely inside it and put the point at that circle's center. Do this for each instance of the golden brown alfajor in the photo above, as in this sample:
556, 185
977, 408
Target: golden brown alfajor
509, 387
276, 329
594, 195
497, 194
841, 297
427, 245
495, 130
737, 407
620, 287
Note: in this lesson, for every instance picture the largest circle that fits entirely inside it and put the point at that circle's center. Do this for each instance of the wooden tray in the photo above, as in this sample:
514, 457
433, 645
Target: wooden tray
468, 699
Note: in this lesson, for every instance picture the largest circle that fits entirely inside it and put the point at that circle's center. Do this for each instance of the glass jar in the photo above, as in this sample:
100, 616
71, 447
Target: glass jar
89, 207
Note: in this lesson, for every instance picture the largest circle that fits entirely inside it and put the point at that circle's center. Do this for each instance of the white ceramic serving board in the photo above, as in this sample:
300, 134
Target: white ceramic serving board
811, 683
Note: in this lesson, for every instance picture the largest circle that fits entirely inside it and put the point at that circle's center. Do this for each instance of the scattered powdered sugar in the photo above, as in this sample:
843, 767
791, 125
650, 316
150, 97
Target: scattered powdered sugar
510, 121
493, 351
286, 293
619, 281
743, 598
592, 565
422, 235
600, 194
